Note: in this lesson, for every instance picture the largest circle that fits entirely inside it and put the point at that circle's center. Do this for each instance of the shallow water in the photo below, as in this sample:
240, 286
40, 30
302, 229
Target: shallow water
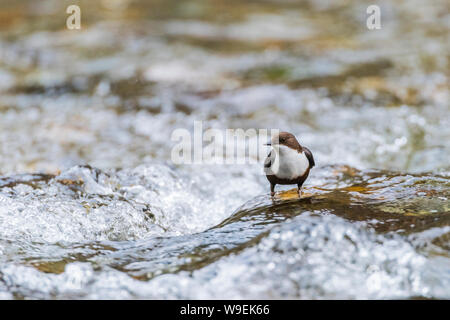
92, 207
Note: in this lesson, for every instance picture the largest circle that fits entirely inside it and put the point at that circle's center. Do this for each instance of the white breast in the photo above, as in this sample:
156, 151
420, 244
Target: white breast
289, 163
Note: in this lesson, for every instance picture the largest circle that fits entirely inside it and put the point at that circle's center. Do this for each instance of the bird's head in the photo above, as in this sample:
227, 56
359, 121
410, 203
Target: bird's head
284, 139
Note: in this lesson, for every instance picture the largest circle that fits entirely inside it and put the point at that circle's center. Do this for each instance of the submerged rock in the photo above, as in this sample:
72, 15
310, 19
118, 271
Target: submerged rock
132, 225
343, 239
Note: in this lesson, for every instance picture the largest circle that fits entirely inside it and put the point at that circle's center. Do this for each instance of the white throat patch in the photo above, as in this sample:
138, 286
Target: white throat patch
289, 163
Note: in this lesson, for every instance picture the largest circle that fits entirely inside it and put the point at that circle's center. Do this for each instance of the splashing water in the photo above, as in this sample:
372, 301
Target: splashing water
91, 206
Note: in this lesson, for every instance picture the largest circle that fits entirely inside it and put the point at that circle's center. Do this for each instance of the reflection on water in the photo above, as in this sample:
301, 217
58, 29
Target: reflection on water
91, 206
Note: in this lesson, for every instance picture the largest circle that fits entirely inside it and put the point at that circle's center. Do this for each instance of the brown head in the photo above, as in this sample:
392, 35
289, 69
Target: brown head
286, 139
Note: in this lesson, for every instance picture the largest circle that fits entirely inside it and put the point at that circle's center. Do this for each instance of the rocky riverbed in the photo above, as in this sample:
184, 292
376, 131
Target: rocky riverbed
91, 205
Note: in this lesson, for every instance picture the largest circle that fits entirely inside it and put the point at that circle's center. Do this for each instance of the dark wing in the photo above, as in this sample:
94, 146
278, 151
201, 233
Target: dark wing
268, 161
310, 157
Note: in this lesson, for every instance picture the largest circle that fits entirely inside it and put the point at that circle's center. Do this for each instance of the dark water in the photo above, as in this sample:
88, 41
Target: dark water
92, 207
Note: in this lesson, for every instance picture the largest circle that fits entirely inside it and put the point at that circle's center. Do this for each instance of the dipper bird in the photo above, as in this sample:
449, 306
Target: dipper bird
288, 162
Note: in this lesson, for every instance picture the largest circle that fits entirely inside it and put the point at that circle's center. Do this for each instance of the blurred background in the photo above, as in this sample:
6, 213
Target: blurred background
111, 93
372, 105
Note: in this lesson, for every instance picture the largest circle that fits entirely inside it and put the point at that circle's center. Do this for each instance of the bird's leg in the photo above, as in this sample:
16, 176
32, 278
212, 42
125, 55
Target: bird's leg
272, 190
299, 190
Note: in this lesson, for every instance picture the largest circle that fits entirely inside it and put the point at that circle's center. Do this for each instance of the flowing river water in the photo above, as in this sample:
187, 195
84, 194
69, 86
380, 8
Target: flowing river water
91, 205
